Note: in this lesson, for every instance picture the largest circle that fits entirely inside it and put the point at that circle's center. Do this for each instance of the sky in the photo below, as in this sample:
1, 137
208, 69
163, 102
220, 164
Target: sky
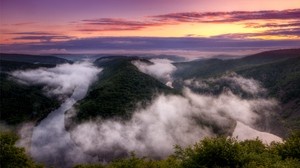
95, 26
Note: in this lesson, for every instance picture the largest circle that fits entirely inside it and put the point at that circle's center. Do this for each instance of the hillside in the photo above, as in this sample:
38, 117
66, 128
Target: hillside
6, 66
34, 59
20, 102
278, 71
212, 67
282, 79
120, 87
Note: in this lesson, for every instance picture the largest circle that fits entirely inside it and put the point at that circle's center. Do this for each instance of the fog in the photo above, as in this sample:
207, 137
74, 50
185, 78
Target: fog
161, 69
244, 132
50, 142
64, 79
232, 81
153, 130
169, 120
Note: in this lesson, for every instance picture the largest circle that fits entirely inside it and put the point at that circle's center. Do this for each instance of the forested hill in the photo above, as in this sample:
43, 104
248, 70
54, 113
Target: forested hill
34, 59
278, 71
120, 87
212, 67
282, 79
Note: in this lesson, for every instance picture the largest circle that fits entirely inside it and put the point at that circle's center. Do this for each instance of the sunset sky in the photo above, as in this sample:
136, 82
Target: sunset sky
186, 25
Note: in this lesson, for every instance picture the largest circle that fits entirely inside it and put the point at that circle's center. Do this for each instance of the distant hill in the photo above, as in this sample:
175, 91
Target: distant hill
120, 87
6, 66
270, 56
277, 70
169, 57
212, 67
34, 59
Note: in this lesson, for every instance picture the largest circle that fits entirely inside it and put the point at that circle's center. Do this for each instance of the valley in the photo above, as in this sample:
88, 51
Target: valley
101, 110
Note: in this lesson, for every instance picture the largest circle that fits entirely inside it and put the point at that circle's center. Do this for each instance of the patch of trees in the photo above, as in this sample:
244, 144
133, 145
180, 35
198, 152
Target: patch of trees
12, 156
213, 152
21, 103
221, 152
120, 87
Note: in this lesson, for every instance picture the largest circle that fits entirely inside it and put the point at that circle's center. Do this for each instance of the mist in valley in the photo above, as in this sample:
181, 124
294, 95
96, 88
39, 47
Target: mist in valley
152, 130
50, 142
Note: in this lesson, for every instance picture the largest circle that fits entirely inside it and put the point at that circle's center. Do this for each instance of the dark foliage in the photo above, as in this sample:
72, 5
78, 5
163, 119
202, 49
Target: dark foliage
23, 103
220, 152
12, 156
278, 71
120, 87
282, 79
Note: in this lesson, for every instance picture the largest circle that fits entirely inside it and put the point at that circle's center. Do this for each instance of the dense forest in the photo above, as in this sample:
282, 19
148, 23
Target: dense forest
119, 88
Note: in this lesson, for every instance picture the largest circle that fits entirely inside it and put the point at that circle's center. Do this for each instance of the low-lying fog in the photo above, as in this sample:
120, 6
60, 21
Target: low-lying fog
153, 130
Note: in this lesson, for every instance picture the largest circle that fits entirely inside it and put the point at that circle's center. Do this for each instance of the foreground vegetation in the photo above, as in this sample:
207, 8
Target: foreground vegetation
221, 152
12, 156
207, 153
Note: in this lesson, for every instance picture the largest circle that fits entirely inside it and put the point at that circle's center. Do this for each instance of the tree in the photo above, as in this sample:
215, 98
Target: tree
12, 156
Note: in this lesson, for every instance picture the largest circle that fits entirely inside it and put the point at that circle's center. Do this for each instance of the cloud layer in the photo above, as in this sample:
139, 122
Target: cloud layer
61, 80
236, 83
152, 131
229, 17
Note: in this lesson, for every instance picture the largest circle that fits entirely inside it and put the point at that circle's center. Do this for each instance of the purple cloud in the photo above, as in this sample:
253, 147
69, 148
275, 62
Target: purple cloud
32, 33
43, 38
40, 36
116, 24
273, 32
221, 17
274, 25
120, 24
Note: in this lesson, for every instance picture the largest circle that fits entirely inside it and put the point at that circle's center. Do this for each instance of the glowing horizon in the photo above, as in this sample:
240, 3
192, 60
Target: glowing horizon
40, 22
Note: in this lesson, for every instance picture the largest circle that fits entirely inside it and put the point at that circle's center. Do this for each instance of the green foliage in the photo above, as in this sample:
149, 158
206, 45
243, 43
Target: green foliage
135, 162
211, 152
12, 156
291, 147
21, 103
221, 152
120, 87
212, 67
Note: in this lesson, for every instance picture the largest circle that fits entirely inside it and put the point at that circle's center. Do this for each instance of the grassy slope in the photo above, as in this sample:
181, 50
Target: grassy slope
120, 87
